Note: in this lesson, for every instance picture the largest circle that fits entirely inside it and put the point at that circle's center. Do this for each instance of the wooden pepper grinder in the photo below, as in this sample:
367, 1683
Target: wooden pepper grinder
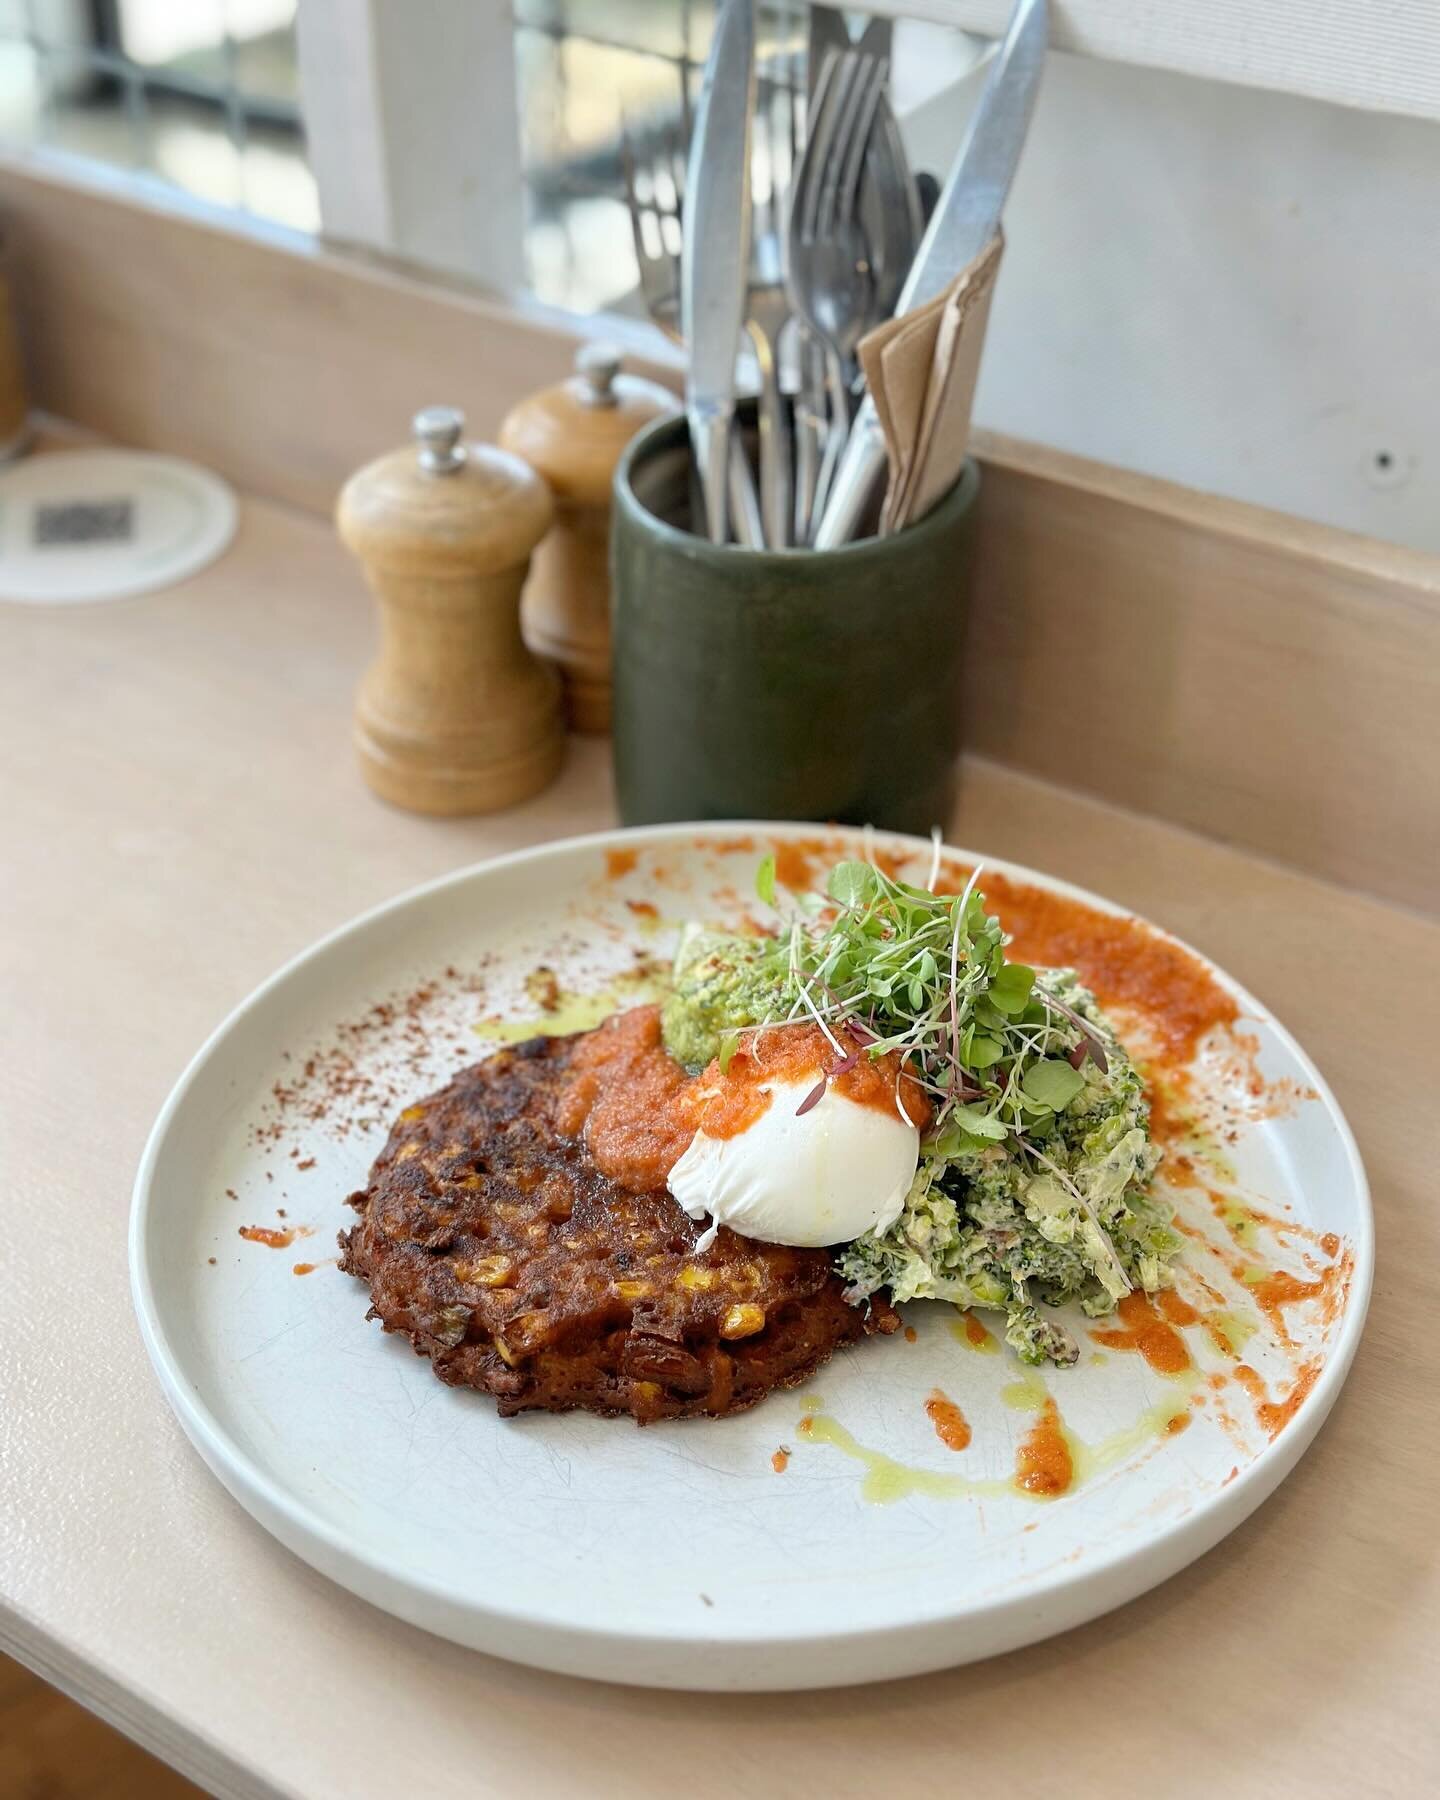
573, 435
455, 715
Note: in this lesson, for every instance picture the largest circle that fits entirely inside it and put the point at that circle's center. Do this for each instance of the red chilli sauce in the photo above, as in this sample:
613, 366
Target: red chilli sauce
638, 1109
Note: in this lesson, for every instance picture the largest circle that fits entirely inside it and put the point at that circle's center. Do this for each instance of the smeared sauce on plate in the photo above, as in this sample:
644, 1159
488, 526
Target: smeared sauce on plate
887, 1480
974, 1335
274, 1237
1050, 1460
1276, 1289
1045, 1463
1123, 961
951, 1426
562, 1011
1275, 1415
1148, 1326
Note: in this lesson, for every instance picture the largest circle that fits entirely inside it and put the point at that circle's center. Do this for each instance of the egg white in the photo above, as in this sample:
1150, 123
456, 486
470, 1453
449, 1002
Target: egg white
823, 1177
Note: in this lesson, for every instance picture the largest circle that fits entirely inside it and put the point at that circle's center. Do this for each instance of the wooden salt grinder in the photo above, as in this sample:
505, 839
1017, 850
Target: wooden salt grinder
573, 435
455, 715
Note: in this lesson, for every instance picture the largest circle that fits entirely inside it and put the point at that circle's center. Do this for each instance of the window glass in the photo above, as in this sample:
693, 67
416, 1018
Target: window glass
594, 74
203, 96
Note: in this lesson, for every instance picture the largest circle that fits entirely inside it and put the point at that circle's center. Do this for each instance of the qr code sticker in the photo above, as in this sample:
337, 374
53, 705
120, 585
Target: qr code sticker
72, 522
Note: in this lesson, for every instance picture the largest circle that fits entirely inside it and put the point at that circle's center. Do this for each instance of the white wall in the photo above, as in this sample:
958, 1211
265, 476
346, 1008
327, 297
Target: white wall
1383, 54
1234, 289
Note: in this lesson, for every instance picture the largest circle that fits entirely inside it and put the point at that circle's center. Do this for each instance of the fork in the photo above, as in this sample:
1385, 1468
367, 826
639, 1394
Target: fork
829, 276
768, 306
889, 206
655, 230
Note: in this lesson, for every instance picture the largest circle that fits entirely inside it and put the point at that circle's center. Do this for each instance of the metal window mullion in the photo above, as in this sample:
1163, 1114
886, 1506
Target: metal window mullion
137, 108
235, 124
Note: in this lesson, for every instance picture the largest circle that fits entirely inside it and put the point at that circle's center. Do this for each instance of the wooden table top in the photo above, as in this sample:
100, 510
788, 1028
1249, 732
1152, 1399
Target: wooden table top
181, 815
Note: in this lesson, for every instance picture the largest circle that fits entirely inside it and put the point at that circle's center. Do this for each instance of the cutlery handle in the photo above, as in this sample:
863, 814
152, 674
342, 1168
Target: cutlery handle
774, 449
807, 470
710, 442
809, 434
744, 504
862, 468
837, 436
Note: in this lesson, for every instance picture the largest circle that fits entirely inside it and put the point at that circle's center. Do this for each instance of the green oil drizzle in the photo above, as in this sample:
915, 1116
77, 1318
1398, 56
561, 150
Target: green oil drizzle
573, 1012
657, 922
1236, 1328
1221, 1165
1028, 1394
886, 1480
1154, 1422
1192, 1137
969, 1331
1241, 1223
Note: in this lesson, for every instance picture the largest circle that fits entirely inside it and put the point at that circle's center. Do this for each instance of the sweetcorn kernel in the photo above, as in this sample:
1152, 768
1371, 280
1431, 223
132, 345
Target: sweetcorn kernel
487, 1271
633, 1290
694, 1276
742, 1321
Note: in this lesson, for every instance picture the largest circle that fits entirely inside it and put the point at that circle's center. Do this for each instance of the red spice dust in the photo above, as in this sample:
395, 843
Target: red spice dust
344, 1085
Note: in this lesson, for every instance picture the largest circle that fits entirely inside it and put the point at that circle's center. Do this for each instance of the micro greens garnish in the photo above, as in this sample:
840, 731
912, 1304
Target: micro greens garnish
893, 967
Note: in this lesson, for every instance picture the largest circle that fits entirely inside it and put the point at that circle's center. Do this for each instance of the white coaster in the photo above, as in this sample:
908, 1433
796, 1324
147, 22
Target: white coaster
104, 524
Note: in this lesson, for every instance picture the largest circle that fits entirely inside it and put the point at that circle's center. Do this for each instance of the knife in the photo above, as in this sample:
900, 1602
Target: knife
966, 217
715, 251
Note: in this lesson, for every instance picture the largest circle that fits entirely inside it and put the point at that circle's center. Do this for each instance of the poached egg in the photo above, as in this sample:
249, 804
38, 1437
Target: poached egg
771, 1167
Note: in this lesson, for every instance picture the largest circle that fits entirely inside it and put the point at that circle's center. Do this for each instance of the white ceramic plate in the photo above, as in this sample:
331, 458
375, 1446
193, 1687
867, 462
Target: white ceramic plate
678, 1555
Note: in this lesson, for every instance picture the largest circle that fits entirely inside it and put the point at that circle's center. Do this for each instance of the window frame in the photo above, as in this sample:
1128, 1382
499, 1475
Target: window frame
411, 113
411, 118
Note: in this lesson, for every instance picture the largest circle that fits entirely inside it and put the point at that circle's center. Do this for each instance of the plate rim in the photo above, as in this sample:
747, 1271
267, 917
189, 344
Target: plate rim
569, 1647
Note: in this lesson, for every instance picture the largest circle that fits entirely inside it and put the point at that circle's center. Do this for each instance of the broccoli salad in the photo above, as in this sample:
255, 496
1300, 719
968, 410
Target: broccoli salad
1033, 1184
